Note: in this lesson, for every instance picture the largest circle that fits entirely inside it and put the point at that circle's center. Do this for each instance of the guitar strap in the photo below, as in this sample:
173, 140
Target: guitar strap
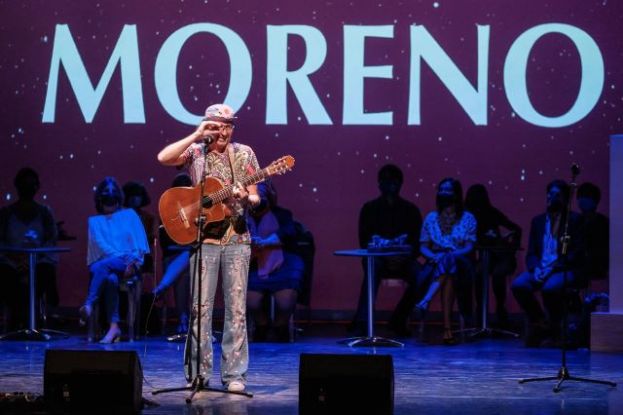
239, 223
215, 230
230, 153
207, 165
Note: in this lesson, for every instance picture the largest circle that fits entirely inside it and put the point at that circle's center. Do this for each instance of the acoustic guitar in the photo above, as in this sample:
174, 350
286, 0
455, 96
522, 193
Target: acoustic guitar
179, 206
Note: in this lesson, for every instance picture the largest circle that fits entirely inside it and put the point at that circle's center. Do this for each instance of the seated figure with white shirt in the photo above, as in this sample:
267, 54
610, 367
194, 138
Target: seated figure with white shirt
547, 270
117, 244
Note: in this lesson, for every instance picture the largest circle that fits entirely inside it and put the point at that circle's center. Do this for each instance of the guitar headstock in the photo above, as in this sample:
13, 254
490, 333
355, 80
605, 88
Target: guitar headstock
281, 165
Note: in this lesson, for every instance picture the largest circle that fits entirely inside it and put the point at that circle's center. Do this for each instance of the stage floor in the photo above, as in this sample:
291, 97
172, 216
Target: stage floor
477, 377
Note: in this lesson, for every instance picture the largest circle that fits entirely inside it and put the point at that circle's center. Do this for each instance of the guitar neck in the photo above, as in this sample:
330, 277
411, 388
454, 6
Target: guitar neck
228, 191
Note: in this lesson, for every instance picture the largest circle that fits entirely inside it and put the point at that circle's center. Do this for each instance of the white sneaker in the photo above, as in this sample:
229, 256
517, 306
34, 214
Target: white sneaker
235, 386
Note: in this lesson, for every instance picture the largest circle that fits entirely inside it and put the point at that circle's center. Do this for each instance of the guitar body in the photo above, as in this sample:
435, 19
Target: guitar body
179, 208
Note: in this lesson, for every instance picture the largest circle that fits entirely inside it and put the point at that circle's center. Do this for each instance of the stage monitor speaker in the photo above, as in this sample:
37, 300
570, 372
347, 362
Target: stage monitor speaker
89, 381
343, 383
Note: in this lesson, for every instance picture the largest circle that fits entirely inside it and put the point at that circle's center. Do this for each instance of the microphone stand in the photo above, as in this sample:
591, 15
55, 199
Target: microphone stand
198, 383
563, 372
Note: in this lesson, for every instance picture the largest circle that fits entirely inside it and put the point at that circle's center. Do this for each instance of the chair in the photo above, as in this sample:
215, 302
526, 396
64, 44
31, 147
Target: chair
133, 286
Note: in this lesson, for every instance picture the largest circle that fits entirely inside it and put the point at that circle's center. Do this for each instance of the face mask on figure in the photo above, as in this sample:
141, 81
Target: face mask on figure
389, 187
110, 203
135, 202
445, 196
587, 205
108, 197
555, 200
27, 184
390, 181
588, 198
28, 189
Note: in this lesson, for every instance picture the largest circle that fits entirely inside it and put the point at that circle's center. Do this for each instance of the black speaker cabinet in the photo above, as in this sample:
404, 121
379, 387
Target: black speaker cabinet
92, 381
340, 383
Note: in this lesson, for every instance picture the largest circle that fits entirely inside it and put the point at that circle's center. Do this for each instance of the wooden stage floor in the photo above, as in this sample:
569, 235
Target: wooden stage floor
477, 377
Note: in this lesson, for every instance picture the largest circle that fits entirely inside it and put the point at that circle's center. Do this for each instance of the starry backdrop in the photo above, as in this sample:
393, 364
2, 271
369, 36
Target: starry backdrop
336, 164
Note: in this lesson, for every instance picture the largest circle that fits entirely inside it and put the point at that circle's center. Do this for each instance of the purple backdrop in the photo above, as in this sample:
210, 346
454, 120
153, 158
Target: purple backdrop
336, 164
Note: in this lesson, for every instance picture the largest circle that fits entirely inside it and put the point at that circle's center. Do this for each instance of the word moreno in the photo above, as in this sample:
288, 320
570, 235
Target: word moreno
423, 48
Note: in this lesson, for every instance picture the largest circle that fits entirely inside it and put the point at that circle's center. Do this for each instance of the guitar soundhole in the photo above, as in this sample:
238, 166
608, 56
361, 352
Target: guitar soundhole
207, 202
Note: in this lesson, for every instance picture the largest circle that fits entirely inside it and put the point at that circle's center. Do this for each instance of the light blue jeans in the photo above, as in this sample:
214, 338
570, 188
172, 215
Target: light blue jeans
232, 261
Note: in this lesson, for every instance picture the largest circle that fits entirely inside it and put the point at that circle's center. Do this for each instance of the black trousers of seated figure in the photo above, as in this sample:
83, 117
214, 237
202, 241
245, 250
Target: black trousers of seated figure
525, 287
15, 292
463, 281
501, 265
408, 271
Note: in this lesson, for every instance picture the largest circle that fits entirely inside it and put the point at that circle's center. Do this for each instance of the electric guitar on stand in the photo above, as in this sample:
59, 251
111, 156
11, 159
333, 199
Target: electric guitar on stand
179, 210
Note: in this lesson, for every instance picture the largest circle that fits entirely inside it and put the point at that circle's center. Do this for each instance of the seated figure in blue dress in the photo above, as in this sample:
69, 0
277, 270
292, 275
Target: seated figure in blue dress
276, 269
447, 240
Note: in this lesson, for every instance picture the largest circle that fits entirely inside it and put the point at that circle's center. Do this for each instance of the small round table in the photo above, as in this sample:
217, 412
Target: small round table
370, 340
32, 333
485, 252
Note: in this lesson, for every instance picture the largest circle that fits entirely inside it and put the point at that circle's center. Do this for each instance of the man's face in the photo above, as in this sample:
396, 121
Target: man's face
224, 132
587, 204
555, 201
27, 187
389, 186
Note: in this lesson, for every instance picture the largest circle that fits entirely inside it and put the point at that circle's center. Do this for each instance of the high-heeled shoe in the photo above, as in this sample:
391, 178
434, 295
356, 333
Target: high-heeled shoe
113, 336
448, 338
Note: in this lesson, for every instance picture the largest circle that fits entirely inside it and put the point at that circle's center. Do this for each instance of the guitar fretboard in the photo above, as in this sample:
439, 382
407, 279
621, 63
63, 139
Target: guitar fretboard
228, 191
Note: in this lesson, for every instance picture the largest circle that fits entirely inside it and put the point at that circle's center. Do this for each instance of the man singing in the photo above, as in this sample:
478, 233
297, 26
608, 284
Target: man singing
226, 244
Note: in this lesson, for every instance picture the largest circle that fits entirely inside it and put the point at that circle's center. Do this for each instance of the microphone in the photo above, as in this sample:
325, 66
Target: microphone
575, 169
210, 137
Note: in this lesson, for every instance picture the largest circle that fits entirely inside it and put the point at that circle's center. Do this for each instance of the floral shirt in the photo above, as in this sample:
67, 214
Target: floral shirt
461, 233
245, 164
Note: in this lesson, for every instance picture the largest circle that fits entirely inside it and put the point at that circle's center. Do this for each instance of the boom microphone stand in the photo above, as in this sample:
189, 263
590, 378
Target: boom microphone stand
198, 383
563, 372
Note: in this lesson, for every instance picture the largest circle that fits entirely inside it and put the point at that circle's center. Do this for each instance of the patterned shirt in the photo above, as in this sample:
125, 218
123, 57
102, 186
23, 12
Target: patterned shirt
245, 164
463, 232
